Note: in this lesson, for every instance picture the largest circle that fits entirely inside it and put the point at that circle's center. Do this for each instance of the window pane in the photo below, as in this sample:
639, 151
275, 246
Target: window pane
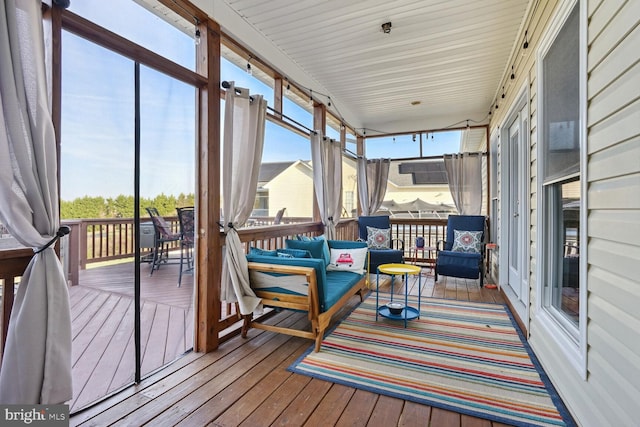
286, 177
418, 189
97, 157
561, 103
130, 20
564, 201
400, 146
351, 145
349, 187
293, 110
333, 133
167, 138
413, 145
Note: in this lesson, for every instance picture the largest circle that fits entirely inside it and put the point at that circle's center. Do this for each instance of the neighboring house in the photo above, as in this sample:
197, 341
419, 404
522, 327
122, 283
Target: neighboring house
268, 171
290, 185
291, 188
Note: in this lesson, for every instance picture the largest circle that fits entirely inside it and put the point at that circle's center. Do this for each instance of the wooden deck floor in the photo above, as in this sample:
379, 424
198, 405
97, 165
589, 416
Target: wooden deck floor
245, 382
102, 316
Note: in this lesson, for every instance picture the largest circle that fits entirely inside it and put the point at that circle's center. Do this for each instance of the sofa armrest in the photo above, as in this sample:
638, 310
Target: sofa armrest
311, 300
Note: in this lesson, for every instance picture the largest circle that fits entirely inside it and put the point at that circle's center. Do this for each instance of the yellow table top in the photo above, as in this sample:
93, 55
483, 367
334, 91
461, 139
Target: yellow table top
399, 269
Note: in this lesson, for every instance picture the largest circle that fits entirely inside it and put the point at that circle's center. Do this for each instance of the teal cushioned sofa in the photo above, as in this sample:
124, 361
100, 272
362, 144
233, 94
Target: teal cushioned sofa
316, 290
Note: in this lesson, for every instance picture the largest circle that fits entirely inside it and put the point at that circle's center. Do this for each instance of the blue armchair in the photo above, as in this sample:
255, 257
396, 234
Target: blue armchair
380, 256
463, 252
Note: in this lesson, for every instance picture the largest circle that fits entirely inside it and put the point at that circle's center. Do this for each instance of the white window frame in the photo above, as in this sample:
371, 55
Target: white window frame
570, 339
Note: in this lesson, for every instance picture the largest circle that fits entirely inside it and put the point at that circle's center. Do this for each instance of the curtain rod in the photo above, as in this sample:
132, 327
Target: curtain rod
225, 84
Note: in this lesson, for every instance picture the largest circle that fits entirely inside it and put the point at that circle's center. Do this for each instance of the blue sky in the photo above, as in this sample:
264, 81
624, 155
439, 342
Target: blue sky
98, 111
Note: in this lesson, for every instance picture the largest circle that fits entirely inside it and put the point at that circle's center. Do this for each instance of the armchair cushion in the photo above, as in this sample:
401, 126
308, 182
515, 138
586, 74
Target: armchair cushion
459, 264
378, 238
467, 241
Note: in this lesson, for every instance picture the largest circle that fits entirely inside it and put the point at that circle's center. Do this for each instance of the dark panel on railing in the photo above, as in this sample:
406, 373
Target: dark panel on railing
12, 266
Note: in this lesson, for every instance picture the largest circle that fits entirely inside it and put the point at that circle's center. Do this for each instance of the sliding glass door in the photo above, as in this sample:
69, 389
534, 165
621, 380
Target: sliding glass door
127, 144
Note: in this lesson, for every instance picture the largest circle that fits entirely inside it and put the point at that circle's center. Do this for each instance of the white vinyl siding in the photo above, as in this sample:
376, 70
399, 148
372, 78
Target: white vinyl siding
611, 391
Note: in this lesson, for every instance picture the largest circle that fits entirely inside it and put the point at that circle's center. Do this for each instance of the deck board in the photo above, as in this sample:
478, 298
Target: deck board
102, 313
245, 382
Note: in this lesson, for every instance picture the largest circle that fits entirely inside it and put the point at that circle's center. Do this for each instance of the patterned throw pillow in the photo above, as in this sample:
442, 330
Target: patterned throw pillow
467, 241
378, 238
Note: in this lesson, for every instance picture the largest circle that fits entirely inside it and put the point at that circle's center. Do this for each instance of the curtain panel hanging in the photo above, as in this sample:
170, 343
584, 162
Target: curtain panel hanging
326, 158
464, 173
372, 183
244, 123
36, 365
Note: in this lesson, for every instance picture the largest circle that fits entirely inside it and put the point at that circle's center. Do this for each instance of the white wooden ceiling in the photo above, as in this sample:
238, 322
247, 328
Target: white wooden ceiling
450, 55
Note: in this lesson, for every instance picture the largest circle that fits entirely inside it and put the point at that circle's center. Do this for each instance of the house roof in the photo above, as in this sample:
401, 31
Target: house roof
268, 171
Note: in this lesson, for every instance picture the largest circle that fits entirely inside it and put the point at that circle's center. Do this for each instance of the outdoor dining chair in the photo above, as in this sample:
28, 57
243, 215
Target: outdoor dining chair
186, 218
164, 237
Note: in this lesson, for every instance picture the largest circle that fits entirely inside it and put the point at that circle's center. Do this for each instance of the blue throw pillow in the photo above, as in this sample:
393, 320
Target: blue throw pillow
326, 255
263, 252
315, 247
294, 253
325, 249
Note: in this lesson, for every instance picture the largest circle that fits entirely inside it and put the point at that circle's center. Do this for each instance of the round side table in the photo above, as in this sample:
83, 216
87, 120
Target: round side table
407, 313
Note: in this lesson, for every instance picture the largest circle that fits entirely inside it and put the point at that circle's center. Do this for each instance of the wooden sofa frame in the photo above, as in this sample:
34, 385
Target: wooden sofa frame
310, 303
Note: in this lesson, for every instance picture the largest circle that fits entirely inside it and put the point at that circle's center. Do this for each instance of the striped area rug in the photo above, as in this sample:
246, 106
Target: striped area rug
467, 357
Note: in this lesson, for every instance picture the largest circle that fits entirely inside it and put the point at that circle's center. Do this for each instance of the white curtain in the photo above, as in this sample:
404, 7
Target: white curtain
36, 365
244, 120
326, 157
464, 172
372, 183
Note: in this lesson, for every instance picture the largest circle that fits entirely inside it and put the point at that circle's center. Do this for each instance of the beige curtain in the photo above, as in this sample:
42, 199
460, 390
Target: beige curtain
326, 157
244, 122
36, 365
372, 183
464, 172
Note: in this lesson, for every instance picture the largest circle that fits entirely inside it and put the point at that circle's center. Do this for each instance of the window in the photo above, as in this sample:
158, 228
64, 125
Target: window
261, 204
561, 205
